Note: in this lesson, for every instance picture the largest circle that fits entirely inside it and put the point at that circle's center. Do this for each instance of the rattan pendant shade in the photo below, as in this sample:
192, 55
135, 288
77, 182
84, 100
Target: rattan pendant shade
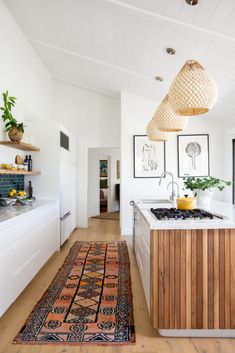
193, 91
154, 134
166, 119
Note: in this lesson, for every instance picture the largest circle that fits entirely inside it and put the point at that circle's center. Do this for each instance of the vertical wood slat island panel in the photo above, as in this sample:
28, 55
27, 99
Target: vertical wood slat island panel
194, 279
210, 286
228, 293
232, 280
205, 278
172, 279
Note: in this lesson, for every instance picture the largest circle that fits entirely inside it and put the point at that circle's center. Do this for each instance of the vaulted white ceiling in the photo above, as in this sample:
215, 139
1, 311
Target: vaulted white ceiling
119, 45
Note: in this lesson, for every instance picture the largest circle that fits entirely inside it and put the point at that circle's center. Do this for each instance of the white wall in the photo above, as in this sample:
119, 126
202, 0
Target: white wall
93, 182
94, 156
135, 114
94, 120
23, 74
227, 167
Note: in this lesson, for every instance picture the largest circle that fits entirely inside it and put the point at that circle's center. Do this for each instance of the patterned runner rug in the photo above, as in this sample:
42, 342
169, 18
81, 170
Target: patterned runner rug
89, 300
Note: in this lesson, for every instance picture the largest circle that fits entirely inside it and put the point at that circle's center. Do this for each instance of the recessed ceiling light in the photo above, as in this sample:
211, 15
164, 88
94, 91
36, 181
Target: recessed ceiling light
192, 2
170, 51
159, 78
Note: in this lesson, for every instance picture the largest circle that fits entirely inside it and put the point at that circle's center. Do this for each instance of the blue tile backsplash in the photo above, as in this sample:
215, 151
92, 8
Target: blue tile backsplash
8, 181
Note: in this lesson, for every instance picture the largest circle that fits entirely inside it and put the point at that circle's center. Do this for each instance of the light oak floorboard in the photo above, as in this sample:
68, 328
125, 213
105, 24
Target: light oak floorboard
147, 339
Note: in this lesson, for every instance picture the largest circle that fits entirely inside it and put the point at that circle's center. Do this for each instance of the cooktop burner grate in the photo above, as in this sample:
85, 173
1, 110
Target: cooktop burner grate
175, 214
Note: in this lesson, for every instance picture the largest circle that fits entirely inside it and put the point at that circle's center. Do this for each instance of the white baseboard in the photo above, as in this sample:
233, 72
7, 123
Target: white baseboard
197, 333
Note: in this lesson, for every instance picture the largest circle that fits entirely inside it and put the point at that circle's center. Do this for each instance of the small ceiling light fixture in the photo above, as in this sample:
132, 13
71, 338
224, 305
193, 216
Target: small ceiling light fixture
170, 51
192, 2
166, 119
193, 91
159, 78
154, 134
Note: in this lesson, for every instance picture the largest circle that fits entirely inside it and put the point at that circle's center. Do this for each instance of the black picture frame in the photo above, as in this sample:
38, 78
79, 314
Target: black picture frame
163, 157
206, 156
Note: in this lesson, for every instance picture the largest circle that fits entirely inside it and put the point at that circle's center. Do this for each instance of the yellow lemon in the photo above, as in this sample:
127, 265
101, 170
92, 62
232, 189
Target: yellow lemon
11, 193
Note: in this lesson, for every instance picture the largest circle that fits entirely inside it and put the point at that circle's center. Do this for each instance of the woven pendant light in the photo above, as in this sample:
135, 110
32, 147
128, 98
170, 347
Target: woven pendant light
166, 119
193, 91
154, 134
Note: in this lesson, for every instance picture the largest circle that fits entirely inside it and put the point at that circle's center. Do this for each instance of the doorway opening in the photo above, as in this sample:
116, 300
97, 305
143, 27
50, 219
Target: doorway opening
103, 182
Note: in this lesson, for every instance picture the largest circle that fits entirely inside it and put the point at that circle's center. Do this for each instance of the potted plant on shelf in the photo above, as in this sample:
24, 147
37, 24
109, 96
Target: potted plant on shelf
12, 126
202, 188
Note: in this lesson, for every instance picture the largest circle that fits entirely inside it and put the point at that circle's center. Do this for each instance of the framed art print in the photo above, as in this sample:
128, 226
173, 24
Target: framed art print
149, 157
118, 169
193, 155
103, 168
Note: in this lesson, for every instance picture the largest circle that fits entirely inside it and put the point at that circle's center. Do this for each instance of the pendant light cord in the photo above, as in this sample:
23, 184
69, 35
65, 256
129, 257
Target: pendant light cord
191, 41
190, 32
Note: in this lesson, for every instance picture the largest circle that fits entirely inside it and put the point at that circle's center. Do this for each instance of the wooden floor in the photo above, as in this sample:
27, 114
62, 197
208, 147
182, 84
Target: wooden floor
146, 339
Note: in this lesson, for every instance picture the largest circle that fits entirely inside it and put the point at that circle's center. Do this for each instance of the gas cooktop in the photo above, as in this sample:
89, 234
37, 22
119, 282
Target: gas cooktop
175, 214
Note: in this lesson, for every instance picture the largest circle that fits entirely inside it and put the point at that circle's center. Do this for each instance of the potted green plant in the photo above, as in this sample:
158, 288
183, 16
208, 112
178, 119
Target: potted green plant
12, 126
202, 188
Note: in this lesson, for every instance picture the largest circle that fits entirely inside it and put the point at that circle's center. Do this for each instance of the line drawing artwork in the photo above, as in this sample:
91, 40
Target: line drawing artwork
149, 157
193, 155
193, 150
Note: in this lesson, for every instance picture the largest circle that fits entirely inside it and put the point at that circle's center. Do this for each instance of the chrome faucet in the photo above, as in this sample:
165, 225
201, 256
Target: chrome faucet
177, 185
173, 194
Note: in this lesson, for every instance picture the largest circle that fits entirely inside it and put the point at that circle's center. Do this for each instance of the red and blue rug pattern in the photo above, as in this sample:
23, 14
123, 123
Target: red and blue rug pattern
89, 300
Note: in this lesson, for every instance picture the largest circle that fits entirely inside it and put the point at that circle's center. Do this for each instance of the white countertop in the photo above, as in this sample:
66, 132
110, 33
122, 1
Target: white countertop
10, 215
226, 210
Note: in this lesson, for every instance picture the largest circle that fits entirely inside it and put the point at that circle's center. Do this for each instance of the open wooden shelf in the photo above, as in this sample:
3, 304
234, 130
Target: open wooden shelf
20, 146
18, 172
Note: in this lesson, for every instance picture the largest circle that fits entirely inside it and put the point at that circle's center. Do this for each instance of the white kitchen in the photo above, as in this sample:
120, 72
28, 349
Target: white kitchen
147, 86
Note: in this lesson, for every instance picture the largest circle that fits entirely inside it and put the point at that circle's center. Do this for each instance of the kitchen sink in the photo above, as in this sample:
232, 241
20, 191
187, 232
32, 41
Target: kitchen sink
151, 201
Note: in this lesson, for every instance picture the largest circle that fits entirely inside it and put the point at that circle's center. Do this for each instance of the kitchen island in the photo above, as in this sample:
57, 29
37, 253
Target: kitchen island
29, 235
187, 269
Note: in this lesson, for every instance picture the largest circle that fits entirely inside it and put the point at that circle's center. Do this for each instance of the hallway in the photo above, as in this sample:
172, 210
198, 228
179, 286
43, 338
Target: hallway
147, 340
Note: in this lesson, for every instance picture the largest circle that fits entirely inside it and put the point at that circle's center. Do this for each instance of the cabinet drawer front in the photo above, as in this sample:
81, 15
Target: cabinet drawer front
145, 231
14, 233
138, 254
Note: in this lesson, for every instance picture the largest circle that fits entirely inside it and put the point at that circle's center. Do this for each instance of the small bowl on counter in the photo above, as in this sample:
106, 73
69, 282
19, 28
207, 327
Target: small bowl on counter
186, 203
7, 201
25, 201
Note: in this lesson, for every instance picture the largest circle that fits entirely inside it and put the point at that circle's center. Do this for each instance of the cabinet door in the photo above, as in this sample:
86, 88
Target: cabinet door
22, 258
145, 269
137, 232
142, 254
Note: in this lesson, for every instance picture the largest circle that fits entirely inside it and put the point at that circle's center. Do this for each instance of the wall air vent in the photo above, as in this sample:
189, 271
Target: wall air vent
64, 141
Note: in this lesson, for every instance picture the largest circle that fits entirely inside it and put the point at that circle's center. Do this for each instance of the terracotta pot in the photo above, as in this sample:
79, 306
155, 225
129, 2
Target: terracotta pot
15, 134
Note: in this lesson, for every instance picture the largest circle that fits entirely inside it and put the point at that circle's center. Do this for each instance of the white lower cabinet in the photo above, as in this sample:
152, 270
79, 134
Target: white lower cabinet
24, 249
142, 253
